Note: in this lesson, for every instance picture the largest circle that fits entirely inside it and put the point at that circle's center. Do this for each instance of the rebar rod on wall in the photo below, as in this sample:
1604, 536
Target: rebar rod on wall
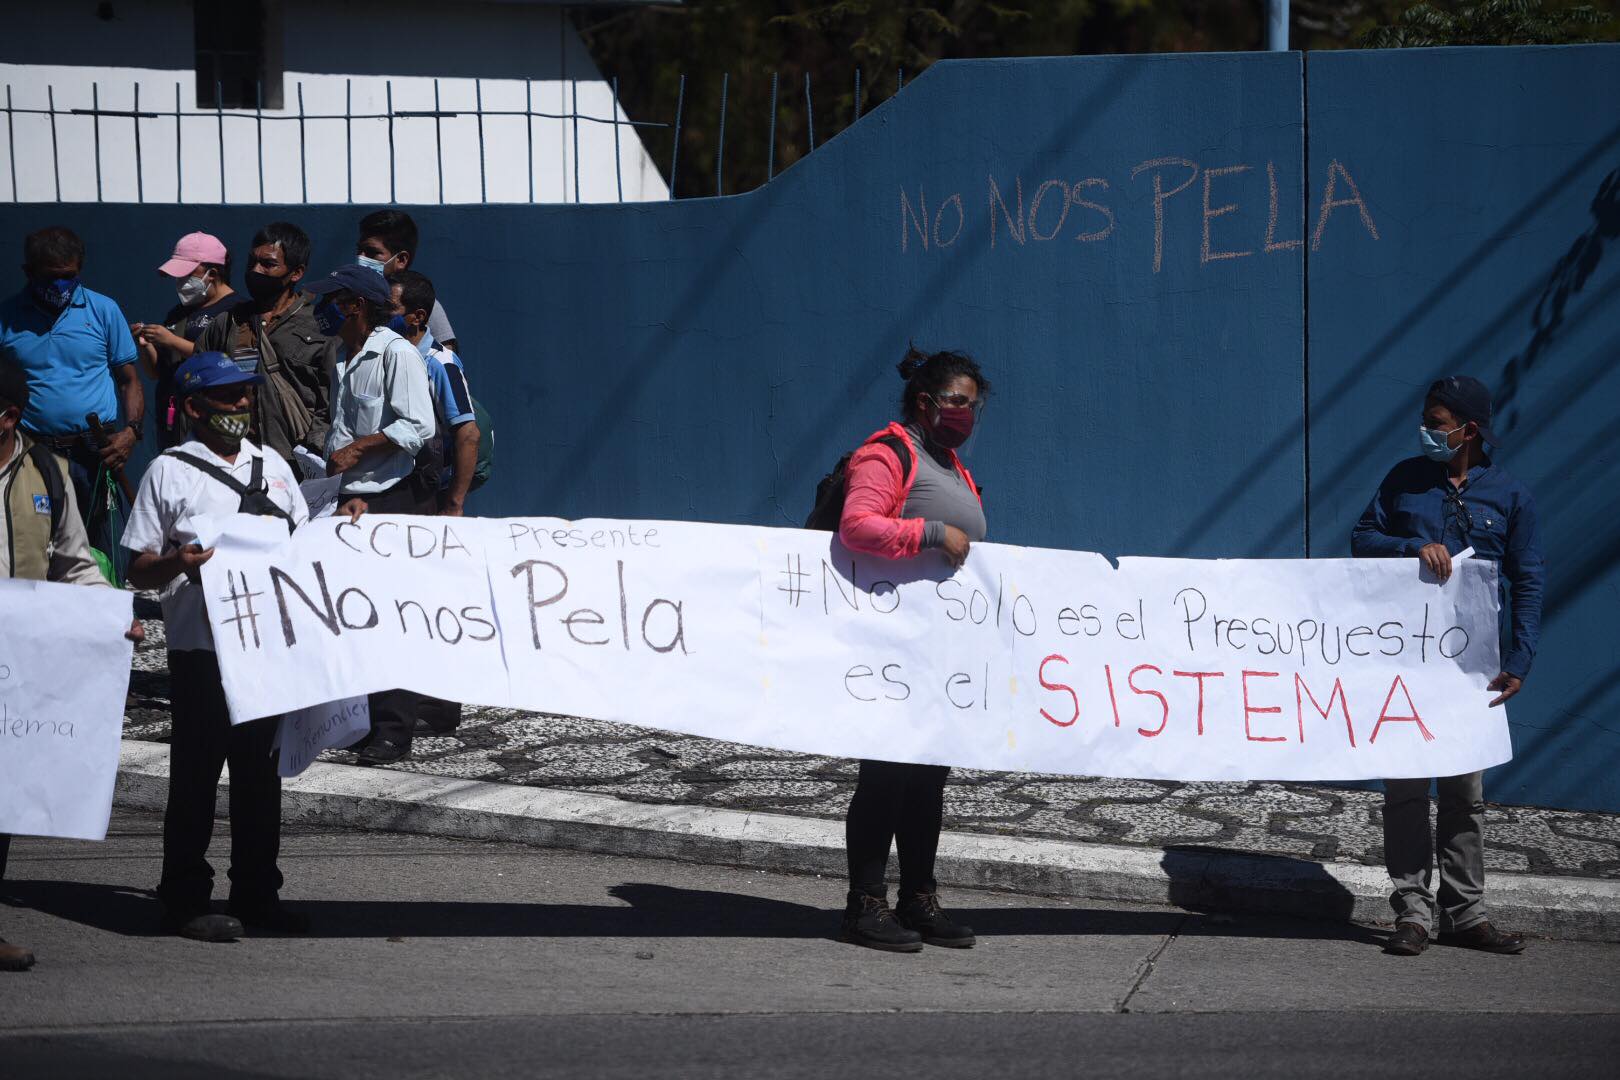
393, 193
56, 164
438, 139
95, 127
720, 147
219, 115
770, 140
675, 153
303, 152
809, 111
348, 139
179, 155
11, 147
258, 130
135, 124
618, 171
478, 103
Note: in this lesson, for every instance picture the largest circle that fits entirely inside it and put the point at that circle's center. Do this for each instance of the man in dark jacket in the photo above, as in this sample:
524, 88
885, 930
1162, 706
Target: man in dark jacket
274, 333
1432, 508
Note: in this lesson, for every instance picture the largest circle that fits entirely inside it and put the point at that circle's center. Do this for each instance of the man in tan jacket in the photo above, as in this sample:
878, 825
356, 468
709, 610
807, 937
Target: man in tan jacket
42, 538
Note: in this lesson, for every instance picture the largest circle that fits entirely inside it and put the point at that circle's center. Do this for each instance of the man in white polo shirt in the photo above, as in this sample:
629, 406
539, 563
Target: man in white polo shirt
382, 406
216, 473
382, 417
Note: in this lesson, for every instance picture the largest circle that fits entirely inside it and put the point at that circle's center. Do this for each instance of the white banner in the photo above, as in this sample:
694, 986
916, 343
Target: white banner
304, 733
64, 674
1025, 659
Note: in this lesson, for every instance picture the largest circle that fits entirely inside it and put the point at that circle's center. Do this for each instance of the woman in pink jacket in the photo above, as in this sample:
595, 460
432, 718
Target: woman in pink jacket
909, 496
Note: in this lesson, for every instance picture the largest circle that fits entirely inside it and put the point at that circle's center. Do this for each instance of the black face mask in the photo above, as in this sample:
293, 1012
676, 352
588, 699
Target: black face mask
264, 288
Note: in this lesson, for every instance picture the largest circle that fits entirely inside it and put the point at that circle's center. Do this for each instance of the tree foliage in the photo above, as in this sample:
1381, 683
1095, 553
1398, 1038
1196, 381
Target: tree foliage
1489, 22
650, 48
745, 42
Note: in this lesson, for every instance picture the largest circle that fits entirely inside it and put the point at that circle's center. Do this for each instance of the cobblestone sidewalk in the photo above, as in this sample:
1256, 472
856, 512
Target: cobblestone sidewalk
639, 764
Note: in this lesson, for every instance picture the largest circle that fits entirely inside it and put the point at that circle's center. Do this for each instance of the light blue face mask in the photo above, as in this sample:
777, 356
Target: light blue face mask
376, 264
1434, 443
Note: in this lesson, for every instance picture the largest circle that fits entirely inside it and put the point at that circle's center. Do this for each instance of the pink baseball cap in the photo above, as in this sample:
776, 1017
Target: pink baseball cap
194, 248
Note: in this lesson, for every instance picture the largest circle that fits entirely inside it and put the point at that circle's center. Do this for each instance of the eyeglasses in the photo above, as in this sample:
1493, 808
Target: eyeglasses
959, 401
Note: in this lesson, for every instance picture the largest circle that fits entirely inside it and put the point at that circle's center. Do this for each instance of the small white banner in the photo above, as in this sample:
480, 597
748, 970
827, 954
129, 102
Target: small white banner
64, 675
304, 733
1025, 659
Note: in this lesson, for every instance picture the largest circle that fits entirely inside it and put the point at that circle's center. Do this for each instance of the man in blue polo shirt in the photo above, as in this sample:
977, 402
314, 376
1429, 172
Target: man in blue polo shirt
1432, 507
75, 347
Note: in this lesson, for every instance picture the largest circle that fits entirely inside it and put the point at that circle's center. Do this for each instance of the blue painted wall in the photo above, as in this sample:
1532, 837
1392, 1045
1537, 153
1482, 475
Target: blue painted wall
709, 359
1493, 178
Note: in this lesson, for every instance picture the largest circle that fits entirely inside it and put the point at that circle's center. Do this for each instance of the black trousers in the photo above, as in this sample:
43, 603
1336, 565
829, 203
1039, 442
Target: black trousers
203, 740
394, 712
897, 804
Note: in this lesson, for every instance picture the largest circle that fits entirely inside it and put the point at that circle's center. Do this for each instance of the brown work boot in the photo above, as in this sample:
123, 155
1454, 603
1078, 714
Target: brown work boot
14, 957
1409, 939
1486, 938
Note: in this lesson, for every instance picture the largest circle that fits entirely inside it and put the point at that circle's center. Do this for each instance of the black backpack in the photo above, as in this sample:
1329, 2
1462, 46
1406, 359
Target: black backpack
834, 487
255, 493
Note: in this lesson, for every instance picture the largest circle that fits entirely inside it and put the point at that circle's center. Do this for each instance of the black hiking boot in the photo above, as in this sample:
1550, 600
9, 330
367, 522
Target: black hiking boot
921, 912
869, 922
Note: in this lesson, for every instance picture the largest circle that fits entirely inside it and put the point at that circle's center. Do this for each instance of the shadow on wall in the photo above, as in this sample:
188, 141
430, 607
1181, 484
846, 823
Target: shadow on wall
1331, 488
1568, 277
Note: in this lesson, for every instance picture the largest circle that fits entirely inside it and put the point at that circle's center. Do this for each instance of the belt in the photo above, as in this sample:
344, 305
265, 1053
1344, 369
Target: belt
60, 442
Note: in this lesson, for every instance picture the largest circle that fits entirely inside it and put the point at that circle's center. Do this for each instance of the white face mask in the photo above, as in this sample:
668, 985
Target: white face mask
191, 290
376, 264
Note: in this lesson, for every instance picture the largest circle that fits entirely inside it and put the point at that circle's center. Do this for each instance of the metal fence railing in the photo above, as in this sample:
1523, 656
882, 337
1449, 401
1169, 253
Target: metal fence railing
122, 140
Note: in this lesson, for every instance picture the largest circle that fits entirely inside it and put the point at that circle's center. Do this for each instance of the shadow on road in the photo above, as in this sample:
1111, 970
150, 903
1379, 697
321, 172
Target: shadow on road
647, 911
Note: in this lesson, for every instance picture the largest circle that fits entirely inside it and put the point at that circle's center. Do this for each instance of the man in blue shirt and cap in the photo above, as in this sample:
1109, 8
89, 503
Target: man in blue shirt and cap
1433, 507
76, 348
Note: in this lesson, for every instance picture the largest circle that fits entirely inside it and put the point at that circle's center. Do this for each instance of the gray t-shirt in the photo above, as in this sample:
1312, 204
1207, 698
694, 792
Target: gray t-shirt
439, 323
941, 497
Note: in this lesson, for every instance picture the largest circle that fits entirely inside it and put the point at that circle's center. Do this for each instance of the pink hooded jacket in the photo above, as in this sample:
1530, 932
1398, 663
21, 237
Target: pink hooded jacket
876, 494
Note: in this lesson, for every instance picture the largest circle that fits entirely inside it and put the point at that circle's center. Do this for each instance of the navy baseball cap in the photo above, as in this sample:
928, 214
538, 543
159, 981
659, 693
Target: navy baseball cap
209, 369
1469, 400
363, 281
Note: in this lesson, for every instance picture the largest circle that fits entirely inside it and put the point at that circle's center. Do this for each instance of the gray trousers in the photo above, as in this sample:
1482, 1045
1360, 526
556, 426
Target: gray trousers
1409, 851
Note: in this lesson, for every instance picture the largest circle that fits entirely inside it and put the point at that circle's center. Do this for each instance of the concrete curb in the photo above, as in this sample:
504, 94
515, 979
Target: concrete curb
386, 800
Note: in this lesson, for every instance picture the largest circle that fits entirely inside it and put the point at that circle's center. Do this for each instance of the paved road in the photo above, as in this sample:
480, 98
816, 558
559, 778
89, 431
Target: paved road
450, 958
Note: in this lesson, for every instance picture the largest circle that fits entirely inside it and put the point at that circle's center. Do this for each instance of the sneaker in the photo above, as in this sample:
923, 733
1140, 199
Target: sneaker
274, 916
869, 922
1486, 938
206, 927
14, 957
1408, 939
921, 913
382, 752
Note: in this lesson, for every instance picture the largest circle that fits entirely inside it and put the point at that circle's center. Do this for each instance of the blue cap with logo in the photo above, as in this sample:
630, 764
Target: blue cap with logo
363, 281
209, 369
